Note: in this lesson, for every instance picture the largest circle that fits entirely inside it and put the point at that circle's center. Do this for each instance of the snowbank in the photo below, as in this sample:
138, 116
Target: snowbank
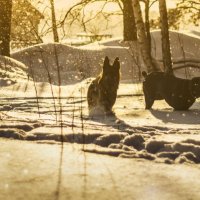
77, 63
47, 63
185, 49
11, 71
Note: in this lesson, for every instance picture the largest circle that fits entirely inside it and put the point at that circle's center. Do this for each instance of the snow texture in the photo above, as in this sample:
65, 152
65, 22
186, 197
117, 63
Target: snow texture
36, 110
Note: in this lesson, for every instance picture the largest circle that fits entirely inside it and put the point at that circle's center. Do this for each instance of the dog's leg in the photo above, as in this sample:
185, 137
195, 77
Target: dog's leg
149, 103
107, 107
148, 100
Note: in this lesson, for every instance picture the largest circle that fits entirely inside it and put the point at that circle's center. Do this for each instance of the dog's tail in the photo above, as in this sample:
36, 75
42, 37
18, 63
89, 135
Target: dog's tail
144, 74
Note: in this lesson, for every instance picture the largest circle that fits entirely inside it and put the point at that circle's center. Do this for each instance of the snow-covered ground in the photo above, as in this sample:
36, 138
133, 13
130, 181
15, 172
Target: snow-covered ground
146, 154
31, 171
134, 132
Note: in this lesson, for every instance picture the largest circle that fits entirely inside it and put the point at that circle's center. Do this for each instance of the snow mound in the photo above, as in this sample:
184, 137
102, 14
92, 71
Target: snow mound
121, 143
185, 49
106, 140
11, 71
160, 151
58, 63
53, 61
136, 141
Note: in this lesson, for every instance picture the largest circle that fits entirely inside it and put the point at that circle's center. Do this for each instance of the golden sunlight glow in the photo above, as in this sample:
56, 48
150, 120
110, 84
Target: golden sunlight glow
62, 4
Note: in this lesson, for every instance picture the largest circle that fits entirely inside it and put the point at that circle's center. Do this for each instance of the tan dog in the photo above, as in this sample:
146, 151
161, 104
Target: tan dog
102, 92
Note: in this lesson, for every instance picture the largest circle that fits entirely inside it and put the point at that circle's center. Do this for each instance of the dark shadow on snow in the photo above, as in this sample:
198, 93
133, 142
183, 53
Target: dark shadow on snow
178, 117
120, 125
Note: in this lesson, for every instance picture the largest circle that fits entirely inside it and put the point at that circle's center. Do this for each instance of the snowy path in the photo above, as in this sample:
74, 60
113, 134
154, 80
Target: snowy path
30, 171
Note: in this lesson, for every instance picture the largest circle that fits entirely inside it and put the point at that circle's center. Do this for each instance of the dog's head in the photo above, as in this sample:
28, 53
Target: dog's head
111, 72
144, 74
195, 87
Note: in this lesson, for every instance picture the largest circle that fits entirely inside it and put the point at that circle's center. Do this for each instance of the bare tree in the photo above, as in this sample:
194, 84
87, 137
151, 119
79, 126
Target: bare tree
142, 39
5, 26
148, 4
191, 10
147, 24
27, 31
130, 30
166, 52
53, 18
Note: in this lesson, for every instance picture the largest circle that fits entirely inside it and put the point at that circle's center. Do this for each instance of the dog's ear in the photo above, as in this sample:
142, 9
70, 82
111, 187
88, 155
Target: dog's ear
106, 62
116, 63
144, 74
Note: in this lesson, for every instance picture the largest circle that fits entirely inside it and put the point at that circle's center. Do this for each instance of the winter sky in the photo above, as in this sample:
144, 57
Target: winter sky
61, 4
66, 4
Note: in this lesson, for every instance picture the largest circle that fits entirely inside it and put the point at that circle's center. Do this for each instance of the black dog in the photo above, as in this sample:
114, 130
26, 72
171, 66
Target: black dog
178, 93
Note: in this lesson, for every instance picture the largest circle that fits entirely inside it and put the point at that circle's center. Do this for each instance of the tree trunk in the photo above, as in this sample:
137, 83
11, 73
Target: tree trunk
142, 39
147, 24
5, 26
53, 18
166, 52
130, 30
